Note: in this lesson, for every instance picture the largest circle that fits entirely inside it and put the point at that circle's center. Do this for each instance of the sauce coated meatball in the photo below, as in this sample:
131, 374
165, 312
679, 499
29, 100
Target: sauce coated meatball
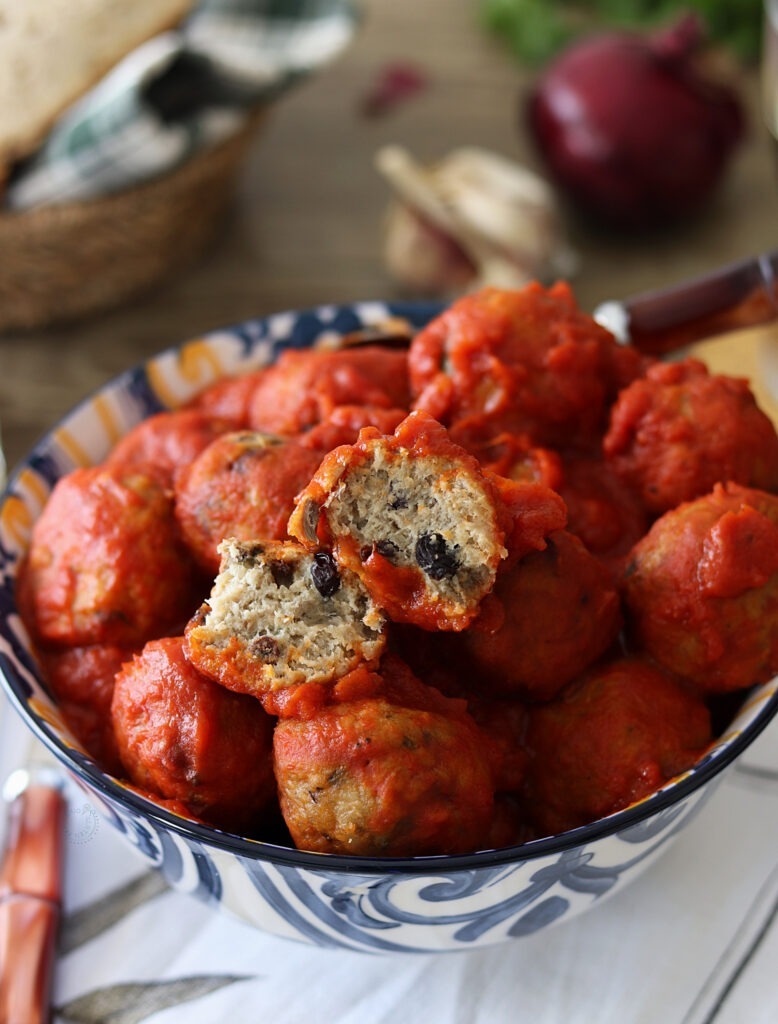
701, 589
243, 485
106, 564
611, 738
185, 738
163, 444
82, 680
387, 776
680, 430
303, 387
560, 612
527, 361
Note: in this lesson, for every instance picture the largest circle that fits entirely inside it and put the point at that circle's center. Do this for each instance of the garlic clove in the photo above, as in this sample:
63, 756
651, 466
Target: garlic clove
473, 219
423, 258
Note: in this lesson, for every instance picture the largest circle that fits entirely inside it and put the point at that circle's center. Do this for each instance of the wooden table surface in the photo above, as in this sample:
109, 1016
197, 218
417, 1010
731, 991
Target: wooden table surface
306, 225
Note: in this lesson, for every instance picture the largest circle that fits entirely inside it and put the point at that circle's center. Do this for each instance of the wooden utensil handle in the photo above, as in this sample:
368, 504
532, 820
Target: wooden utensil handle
30, 891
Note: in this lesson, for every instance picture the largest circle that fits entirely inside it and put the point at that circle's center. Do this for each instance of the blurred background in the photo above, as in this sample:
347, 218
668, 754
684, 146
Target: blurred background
685, 151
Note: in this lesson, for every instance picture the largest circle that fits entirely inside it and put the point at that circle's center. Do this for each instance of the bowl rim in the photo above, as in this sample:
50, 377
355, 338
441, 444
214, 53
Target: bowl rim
720, 754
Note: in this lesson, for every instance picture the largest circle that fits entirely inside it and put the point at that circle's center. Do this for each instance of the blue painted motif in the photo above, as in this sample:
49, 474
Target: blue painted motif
47, 466
140, 392
209, 881
258, 874
541, 915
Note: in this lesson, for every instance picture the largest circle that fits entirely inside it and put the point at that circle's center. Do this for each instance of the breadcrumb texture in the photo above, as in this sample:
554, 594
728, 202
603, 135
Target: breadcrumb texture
415, 516
279, 615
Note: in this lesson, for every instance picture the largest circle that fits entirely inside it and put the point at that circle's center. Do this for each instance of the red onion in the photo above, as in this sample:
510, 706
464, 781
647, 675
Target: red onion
631, 129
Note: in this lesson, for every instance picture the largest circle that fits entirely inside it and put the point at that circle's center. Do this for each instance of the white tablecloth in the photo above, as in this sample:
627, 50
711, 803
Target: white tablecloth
693, 941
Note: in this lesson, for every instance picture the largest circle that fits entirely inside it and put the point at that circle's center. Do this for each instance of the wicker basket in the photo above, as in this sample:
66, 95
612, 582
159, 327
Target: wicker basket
60, 263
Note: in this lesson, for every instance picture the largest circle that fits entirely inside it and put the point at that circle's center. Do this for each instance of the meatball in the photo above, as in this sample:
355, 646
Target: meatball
161, 445
82, 680
680, 430
106, 564
701, 589
611, 738
601, 509
417, 519
560, 612
525, 361
243, 485
304, 386
343, 424
515, 457
375, 777
279, 616
230, 398
185, 738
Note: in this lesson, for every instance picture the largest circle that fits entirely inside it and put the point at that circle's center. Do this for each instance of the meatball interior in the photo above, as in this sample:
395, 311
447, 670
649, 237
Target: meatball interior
279, 615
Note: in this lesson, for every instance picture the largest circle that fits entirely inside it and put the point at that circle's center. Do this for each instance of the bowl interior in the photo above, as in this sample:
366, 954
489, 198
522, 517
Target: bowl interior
86, 435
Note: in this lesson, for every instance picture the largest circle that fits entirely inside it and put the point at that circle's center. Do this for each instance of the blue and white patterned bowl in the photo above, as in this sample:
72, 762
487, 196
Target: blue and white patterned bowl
420, 904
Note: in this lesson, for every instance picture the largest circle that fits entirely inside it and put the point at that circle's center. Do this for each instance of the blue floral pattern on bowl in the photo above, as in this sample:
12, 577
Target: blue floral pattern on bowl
424, 904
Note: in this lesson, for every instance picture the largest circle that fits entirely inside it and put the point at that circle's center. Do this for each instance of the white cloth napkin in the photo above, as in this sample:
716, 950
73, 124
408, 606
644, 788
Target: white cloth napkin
693, 941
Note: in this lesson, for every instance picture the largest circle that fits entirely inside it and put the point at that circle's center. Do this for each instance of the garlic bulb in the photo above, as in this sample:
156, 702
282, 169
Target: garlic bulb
473, 219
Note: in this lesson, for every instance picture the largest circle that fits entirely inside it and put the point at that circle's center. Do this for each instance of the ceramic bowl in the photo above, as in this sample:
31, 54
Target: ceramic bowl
420, 904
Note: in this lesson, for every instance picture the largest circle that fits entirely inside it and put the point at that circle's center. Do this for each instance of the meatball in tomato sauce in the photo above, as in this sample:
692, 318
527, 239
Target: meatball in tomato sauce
384, 775
701, 589
526, 361
106, 563
185, 738
680, 430
244, 486
163, 444
558, 612
611, 738
304, 386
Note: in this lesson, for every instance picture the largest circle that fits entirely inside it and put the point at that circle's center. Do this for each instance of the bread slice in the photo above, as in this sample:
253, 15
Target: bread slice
53, 51
278, 616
